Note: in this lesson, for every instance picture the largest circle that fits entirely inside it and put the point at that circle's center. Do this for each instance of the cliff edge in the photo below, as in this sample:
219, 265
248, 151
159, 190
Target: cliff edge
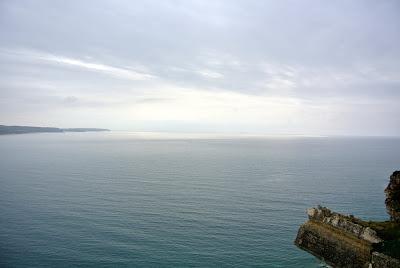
393, 197
345, 241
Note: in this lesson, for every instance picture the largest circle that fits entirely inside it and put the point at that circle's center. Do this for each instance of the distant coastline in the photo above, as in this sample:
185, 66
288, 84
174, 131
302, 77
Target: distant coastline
5, 130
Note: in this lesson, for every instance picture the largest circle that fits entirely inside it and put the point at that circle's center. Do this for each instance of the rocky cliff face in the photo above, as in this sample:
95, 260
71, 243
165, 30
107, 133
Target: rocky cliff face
345, 241
343, 223
384, 261
336, 239
393, 197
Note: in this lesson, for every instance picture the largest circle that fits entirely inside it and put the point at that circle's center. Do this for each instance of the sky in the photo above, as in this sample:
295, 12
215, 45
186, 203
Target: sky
246, 67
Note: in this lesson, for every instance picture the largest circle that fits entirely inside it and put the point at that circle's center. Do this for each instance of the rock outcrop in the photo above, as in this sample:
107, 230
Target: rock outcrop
384, 261
345, 241
393, 197
336, 239
344, 223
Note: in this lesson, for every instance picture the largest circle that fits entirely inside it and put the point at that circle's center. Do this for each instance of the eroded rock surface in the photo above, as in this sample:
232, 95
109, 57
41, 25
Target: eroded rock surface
382, 260
336, 238
345, 241
344, 223
393, 197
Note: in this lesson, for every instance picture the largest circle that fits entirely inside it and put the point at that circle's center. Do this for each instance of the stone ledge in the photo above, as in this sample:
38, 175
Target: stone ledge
336, 247
342, 241
344, 223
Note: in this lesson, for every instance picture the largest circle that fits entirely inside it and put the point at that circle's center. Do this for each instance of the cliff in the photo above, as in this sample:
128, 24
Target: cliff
393, 197
346, 241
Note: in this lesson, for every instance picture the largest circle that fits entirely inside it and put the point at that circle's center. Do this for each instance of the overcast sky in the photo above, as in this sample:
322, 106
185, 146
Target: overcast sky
256, 67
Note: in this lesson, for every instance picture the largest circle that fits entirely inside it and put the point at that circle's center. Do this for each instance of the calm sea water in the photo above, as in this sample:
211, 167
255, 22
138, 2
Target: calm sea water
113, 199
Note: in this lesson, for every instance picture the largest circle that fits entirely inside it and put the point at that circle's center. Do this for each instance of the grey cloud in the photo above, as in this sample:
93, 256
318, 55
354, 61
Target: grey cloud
313, 51
195, 34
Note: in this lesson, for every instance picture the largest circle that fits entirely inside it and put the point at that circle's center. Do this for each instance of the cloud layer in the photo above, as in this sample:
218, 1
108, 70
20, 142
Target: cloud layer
265, 67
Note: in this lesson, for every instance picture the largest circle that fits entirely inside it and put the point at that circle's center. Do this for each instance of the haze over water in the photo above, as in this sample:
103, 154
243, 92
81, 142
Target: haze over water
115, 199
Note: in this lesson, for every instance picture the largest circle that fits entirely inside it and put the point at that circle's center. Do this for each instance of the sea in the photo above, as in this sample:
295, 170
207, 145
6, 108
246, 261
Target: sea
121, 199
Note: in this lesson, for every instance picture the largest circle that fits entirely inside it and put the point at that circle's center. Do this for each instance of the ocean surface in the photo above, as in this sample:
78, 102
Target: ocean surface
128, 200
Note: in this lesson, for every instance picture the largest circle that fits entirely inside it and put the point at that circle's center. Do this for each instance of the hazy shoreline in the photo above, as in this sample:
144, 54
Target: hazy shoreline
7, 130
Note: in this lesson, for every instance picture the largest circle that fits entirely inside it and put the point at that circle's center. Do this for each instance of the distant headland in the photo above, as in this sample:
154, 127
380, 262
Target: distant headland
4, 130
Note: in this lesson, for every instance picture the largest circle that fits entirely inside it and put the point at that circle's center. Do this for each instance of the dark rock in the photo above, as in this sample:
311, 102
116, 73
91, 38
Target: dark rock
346, 241
382, 260
393, 197
335, 239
